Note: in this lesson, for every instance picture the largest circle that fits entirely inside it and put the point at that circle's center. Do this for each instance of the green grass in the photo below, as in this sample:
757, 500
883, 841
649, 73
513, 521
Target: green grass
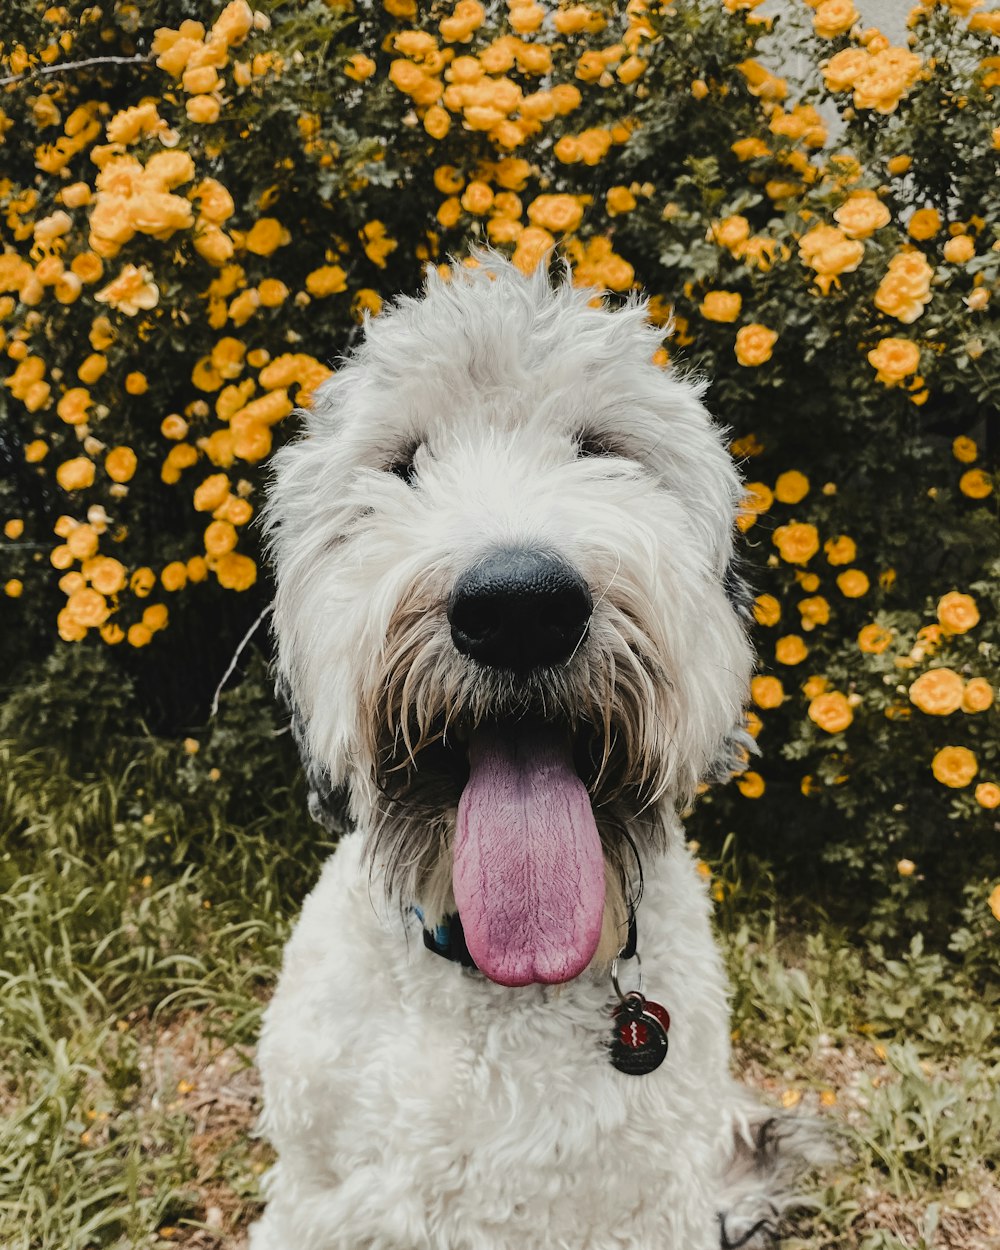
145, 910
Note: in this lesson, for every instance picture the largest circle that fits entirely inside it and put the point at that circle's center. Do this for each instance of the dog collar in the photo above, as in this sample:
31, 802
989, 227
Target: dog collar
638, 1042
447, 939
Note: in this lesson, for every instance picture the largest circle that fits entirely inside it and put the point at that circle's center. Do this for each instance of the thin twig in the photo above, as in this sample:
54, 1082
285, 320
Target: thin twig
63, 66
236, 658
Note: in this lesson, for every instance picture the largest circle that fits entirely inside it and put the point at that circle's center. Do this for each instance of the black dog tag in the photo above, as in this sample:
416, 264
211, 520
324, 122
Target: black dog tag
639, 1042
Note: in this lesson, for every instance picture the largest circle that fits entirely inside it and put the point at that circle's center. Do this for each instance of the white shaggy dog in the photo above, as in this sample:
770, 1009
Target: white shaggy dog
507, 624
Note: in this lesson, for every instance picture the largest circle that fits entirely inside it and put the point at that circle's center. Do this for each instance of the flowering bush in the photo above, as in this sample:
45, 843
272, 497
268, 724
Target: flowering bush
197, 217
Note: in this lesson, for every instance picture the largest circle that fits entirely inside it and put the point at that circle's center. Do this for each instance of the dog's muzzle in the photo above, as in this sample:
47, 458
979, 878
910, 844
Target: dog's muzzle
519, 609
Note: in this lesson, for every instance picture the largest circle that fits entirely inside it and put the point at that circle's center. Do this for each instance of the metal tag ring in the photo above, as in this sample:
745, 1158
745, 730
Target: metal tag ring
614, 976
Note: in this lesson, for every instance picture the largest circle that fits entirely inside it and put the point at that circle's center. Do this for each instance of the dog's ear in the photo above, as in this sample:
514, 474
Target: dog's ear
329, 804
738, 590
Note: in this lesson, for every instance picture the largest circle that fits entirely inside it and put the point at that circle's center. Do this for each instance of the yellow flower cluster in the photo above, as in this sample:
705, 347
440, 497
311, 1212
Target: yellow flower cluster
941, 691
905, 290
878, 74
829, 252
195, 57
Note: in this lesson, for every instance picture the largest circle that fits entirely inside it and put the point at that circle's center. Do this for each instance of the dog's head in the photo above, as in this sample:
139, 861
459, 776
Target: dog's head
505, 612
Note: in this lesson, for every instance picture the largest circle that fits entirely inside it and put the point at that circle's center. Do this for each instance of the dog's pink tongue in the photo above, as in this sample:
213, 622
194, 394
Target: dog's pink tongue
529, 868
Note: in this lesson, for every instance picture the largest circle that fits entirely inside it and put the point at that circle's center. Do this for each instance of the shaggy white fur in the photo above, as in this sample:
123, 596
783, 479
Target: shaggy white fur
415, 1104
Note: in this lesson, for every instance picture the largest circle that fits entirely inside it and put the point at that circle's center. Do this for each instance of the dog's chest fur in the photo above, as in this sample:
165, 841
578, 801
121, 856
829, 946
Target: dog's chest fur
451, 1112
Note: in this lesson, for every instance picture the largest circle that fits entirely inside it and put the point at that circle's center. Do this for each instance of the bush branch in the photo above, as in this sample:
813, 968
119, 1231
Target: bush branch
64, 66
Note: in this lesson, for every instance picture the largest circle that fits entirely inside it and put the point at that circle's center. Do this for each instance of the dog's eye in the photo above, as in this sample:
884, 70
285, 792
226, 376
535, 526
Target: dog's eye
596, 445
402, 466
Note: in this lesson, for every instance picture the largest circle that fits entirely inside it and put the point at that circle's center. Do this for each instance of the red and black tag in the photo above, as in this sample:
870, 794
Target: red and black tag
639, 1043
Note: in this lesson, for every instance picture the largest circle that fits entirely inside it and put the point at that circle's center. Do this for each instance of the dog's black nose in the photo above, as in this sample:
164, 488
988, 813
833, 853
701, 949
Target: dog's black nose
519, 610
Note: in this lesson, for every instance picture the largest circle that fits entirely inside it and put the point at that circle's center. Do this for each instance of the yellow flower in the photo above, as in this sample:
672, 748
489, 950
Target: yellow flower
327, 280
533, 245
874, 639
766, 610
977, 696
894, 359
831, 712
557, 213
988, 796
938, 692
829, 252
815, 611
173, 426
106, 574
73, 406
477, 198
234, 23
761, 82
959, 250
120, 464
437, 121
750, 785
840, 550
212, 493
924, 224
272, 292
75, 474
815, 686
721, 306
82, 541
905, 290
619, 200
88, 266
448, 180
976, 484
749, 149
235, 572
266, 236
791, 487
174, 576
790, 649
14, 588
797, 542
767, 692
359, 67
861, 214
132, 290
754, 343
155, 617
142, 582
957, 613
852, 583
376, 243
139, 635
954, 766
906, 867
14, 528
36, 451
203, 110
70, 629
834, 17
994, 902
87, 608
220, 538
731, 233
92, 369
